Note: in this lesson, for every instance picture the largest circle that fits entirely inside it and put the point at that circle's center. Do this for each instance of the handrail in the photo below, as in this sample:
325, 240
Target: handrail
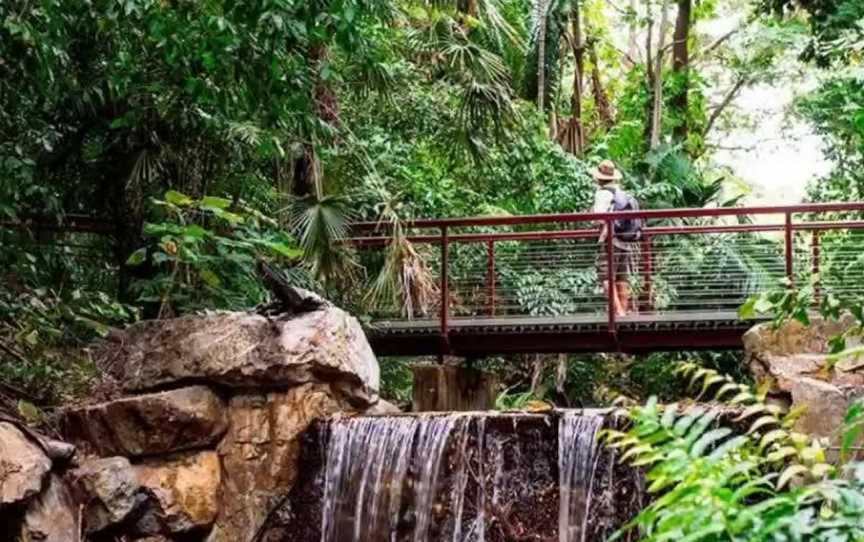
592, 233
377, 234
513, 220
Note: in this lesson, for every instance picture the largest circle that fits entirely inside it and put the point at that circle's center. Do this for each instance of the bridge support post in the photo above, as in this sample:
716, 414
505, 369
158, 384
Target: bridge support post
816, 264
490, 275
789, 249
445, 293
452, 388
611, 294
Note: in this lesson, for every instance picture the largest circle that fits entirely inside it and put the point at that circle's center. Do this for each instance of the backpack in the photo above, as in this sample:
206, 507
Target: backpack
626, 229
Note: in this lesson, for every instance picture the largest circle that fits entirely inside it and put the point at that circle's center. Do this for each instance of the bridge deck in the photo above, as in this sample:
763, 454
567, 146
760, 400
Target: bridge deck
569, 333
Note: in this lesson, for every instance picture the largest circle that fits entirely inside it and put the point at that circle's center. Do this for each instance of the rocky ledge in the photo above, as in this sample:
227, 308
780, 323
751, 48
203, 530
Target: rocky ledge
203, 437
793, 360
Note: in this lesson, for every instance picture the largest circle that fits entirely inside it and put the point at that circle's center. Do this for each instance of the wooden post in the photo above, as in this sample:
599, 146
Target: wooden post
450, 388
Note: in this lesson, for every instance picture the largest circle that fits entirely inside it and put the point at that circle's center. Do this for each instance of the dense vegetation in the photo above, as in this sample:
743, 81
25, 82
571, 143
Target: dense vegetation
153, 151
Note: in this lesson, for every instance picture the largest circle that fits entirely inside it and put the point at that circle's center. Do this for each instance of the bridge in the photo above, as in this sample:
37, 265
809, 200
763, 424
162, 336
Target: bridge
533, 284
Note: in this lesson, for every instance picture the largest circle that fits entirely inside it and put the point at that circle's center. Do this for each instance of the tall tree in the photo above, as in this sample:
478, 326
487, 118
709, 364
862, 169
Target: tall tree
681, 69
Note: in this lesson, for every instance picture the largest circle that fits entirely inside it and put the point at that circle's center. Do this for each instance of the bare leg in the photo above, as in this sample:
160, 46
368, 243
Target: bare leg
616, 300
623, 297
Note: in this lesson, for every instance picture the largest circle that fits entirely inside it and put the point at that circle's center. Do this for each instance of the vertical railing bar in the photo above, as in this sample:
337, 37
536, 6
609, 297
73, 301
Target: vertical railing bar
490, 276
445, 286
816, 257
648, 265
789, 249
610, 275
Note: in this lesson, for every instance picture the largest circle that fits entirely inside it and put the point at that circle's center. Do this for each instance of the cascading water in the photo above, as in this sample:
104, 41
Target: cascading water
577, 463
366, 471
462, 477
367, 460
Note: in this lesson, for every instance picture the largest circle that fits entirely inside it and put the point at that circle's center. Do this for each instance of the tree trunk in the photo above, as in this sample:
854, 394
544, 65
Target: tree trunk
541, 58
632, 39
601, 100
578, 77
649, 79
657, 94
681, 67
306, 170
467, 7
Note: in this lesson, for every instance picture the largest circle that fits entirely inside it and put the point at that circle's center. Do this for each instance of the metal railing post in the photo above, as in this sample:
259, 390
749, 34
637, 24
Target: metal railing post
445, 287
789, 249
816, 257
647, 266
490, 275
610, 274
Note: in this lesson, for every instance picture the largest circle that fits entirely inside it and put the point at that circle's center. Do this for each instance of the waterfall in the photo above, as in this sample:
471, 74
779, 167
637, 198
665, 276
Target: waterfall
577, 461
367, 460
367, 468
432, 440
465, 478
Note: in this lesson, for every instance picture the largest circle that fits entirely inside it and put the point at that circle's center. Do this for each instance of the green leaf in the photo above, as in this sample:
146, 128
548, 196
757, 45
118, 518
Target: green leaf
176, 198
137, 257
212, 202
29, 411
210, 278
708, 439
284, 250
790, 473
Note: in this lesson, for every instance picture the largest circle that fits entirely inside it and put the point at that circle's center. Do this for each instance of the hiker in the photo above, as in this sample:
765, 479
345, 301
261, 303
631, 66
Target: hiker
608, 198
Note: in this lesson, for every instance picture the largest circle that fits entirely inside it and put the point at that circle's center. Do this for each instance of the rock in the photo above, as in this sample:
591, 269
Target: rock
796, 338
57, 450
382, 408
793, 358
184, 489
244, 350
111, 489
52, 516
23, 465
156, 423
260, 454
826, 405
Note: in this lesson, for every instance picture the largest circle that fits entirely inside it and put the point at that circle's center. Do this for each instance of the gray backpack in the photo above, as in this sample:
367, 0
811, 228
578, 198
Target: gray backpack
626, 229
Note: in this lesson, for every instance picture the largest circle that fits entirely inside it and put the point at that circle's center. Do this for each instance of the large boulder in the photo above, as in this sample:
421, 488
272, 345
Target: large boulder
244, 350
111, 492
260, 454
52, 516
23, 465
184, 492
156, 423
793, 359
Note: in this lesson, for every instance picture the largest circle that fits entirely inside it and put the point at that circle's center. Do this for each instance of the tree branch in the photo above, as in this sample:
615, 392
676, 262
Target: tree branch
711, 48
733, 92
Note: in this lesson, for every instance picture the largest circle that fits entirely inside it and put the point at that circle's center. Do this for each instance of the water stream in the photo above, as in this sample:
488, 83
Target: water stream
447, 478
577, 464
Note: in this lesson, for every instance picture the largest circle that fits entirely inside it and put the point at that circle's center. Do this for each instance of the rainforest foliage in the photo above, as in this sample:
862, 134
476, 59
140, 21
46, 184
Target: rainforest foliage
153, 150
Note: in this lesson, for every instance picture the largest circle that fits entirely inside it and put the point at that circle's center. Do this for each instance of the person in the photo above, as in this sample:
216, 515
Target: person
609, 197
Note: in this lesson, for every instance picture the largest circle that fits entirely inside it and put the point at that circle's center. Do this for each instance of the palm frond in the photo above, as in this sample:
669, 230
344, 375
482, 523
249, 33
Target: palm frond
321, 226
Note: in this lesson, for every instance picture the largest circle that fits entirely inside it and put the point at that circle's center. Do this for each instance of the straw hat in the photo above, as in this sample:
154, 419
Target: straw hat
606, 172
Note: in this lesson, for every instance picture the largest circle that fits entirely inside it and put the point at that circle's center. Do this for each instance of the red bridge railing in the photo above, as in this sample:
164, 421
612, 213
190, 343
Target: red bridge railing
691, 263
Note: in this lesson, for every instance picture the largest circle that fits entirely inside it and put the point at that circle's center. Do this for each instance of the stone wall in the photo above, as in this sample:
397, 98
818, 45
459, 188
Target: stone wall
201, 437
